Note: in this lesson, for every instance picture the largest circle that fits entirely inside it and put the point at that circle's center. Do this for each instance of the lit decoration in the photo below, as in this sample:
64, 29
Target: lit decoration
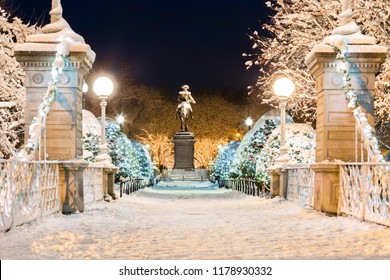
367, 131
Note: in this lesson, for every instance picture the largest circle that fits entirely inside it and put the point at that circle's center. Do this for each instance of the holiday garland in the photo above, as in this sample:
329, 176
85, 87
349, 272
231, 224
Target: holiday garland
38, 124
368, 132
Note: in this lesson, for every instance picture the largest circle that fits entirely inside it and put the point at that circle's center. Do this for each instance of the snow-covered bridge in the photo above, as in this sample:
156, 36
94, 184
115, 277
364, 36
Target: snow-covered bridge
196, 224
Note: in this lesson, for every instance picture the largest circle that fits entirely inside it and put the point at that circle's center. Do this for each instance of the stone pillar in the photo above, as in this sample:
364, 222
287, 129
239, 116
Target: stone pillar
72, 187
64, 123
326, 187
109, 182
184, 150
275, 182
335, 122
283, 177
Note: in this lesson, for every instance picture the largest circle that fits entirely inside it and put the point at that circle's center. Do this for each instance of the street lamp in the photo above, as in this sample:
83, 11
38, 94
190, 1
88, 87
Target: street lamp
283, 88
120, 119
103, 87
249, 122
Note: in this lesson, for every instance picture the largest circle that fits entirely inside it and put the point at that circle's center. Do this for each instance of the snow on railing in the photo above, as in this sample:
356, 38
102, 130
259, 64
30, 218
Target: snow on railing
28, 191
365, 192
369, 142
300, 185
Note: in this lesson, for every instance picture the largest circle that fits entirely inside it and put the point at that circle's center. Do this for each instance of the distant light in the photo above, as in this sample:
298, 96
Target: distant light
103, 87
120, 119
238, 134
283, 87
219, 146
249, 121
147, 146
85, 87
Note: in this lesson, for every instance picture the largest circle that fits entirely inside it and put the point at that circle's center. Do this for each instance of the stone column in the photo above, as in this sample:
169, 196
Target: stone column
64, 122
335, 122
71, 186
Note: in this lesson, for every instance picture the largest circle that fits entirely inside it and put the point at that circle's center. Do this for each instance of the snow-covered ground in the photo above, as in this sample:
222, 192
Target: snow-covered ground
198, 224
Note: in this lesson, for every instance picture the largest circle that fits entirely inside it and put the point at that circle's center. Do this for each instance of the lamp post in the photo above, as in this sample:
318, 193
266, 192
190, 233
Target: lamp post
249, 122
103, 87
283, 88
85, 90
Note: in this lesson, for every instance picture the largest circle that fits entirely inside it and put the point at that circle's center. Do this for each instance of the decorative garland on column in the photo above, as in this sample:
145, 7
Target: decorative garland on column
38, 124
368, 132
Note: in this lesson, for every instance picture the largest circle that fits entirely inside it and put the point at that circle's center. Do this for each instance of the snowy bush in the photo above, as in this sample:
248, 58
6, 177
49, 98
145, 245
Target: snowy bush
300, 141
91, 146
223, 160
130, 156
144, 160
245, 163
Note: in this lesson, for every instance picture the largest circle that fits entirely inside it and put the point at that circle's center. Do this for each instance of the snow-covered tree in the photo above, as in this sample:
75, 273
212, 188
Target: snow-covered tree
245, 166
143, 157
221, 169
12, 91
161, 148
295, 27
91, 144
122, 152
300, 141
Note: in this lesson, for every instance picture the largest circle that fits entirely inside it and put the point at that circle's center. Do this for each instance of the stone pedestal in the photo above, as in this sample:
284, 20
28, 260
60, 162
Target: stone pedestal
64, 122
109, 182
72, 186
184, 150
326, 187
275, 182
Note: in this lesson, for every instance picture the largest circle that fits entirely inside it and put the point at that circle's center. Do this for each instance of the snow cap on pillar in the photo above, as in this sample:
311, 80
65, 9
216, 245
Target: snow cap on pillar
58, 31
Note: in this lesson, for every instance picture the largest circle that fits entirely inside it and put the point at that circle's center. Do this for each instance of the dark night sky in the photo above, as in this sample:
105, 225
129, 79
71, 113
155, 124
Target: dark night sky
166, 43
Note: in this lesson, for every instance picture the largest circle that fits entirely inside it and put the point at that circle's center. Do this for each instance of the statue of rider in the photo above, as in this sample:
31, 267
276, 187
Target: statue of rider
185, 99
185, 96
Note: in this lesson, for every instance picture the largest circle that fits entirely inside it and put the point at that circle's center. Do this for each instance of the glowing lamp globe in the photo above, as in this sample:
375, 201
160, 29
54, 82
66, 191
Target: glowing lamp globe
120, 119
103, 87
283, 87
249, 121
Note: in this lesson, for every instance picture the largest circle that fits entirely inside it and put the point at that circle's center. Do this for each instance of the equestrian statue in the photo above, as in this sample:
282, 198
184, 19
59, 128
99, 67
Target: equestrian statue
184, 109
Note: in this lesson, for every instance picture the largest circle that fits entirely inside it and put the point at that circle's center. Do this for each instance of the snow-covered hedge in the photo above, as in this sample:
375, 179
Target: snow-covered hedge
130, 156
300, 141
224, 159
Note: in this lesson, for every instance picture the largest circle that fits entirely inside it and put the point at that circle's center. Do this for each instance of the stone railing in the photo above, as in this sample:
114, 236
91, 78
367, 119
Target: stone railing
369, 142
364, 191
28, 191
300, 185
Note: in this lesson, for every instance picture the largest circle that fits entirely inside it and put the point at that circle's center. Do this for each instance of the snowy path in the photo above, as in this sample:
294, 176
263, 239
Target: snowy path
215, 224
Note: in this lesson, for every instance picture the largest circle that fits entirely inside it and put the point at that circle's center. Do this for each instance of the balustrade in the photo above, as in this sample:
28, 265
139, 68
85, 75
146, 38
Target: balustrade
300, 185
365, 191
28, 191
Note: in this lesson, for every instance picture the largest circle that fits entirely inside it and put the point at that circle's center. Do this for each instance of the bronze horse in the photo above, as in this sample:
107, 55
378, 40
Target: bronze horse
184, 112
